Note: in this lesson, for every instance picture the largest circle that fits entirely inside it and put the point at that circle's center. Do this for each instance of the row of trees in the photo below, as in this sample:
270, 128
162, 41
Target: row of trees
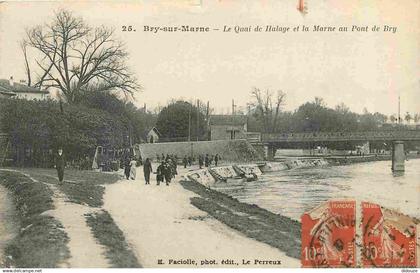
407, 118
266, 115
37, 128
179, 119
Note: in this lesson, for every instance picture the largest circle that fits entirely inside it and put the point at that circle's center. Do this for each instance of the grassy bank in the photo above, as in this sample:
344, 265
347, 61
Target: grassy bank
81, 187
276, 230
41, 242
109, 235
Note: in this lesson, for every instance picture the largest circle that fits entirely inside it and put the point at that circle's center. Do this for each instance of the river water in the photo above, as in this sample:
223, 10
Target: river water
292, 192
7, 225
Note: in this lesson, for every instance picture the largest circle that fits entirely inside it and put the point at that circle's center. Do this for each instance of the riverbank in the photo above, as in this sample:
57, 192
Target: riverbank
345, 160
58, 224
163, 223
276, 230
41, 241
8, 227
350, 159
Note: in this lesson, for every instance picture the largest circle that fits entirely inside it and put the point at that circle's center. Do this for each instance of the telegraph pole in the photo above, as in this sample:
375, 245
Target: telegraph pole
399, 110
233, 107
208, 110
189, 123
198, 117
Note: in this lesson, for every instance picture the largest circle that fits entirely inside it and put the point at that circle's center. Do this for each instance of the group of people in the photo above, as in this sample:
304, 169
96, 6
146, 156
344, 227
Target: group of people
208, 160
130, 168
166, 170
203, 160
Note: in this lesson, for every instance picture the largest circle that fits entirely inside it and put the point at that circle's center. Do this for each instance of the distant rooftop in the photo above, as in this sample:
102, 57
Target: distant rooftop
228, 119
6, 91
5, 86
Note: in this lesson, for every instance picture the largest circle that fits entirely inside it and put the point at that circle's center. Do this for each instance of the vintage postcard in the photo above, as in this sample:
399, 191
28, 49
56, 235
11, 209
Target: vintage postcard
209, 134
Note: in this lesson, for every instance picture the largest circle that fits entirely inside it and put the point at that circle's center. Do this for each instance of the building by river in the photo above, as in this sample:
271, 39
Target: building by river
225, 127
10, 88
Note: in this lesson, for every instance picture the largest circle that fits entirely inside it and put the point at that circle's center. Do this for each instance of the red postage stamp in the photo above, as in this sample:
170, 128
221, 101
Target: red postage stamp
328, 235
389, 238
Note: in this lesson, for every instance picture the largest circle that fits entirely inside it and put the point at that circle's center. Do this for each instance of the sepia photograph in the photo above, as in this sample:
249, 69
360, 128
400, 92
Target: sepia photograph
209, 134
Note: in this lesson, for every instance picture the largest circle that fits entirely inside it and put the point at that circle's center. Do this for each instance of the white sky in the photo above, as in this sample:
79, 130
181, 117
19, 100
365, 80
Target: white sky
360, 69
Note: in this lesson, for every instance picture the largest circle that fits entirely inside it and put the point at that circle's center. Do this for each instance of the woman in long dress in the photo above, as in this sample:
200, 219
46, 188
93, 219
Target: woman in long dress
133, 164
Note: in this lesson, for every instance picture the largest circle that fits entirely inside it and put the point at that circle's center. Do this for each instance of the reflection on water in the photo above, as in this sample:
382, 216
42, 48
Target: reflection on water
293, 192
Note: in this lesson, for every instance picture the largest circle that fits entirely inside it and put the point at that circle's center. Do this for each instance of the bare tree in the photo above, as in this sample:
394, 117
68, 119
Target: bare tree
319, 101
408, 117
70, 55
393, 118
342, 108
267, 107
416, 117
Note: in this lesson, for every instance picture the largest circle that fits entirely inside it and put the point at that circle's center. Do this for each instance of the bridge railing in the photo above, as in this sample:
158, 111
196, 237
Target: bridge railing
342, 136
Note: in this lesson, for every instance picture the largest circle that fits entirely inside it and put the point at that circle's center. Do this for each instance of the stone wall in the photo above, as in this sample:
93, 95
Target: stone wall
229, 150
202, 176
208, 177
294, 163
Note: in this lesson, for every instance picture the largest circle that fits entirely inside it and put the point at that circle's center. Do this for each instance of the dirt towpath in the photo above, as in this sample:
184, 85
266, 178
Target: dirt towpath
85, 251
8, 228
160, 223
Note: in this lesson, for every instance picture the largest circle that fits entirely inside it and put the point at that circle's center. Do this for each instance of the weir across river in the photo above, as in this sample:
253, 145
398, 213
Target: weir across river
397, 137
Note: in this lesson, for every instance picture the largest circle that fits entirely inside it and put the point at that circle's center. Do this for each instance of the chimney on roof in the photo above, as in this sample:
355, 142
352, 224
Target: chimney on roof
11, 82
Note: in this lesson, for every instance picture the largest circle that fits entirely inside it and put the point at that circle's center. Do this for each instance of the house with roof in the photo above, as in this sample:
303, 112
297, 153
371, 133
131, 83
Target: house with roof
153, 135
9, 88
225, 127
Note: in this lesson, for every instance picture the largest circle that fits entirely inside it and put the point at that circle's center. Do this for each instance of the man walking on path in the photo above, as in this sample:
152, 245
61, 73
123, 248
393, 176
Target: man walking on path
160, 173
147, 169
167, 172
173, 165
206, 160
200, 161
185, 161
60, 163
216, 159
127, 168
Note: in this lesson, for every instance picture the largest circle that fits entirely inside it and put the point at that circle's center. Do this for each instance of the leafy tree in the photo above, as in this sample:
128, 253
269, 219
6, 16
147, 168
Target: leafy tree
179, 119
36, 127
135, 121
